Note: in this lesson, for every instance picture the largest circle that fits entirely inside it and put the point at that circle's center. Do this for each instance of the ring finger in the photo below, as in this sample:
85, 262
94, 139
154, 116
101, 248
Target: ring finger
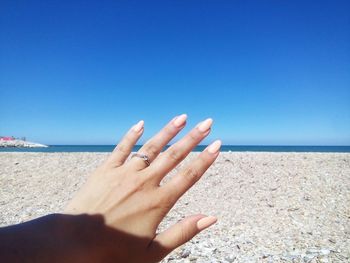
155, 145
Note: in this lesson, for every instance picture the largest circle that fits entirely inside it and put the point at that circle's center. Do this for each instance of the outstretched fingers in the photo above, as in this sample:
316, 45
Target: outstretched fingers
179, 234
155, 145
182, 181
124, 147
186, 229
177, 152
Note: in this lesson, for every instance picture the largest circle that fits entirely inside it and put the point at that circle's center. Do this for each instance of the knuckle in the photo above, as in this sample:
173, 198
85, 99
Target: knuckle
165, 200
191, 174
194, 135
164, 208
175, 155
184, 233
168, 130
203, 159
152, 149
123, 148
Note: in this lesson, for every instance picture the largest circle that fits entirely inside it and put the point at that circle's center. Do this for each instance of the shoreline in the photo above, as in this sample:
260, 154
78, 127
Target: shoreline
193, 152
224, 148
271, 206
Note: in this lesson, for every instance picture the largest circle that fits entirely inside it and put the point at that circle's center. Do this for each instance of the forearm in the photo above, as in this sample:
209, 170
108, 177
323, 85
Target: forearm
46, 239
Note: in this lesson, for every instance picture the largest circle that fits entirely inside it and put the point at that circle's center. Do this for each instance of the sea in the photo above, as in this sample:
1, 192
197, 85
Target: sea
224, 148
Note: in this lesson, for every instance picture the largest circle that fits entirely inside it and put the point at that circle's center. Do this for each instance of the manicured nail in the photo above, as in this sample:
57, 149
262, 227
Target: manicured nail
138, 127
205, 125
206, 222
180, 120
214, 147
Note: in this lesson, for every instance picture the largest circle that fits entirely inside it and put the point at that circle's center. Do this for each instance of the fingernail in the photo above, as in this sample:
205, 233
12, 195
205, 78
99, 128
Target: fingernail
214, 147
138, 127
206, 222
180, 120
205, 125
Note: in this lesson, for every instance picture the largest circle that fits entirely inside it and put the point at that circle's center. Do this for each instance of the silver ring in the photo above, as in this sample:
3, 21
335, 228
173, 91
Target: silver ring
142, 156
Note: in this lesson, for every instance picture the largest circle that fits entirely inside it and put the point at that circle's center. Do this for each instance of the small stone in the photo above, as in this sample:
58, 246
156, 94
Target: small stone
185, 253
193, 258
312, 251
230, 258
308, 257
325, 251
307, 198
331, 240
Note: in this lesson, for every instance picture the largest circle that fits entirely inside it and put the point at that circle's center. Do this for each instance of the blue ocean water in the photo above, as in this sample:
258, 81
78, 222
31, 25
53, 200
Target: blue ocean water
224, 148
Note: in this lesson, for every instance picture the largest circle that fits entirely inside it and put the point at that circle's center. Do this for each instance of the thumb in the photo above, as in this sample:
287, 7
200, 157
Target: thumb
179, 234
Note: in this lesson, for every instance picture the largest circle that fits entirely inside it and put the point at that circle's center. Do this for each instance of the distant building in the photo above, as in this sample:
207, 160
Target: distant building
5, 138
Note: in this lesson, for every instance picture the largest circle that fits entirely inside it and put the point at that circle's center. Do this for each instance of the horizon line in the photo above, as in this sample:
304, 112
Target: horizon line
236, 145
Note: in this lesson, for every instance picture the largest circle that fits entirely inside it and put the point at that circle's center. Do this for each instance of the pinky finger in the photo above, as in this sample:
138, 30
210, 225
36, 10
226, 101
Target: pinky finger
179, 234
124, 147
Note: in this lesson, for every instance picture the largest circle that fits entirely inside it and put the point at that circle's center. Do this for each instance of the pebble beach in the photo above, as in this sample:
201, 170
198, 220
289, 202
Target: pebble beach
271, 207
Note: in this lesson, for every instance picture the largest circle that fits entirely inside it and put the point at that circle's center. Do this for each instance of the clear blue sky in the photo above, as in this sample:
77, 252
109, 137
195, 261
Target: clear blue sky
268, 72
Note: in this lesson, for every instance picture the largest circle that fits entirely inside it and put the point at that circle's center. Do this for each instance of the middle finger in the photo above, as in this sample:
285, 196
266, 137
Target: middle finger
177, 152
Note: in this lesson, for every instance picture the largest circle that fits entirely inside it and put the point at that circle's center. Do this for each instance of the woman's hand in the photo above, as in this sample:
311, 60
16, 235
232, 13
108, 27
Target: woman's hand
128, 196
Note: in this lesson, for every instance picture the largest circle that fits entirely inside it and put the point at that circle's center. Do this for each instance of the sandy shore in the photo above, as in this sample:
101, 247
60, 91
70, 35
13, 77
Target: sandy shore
272, 207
